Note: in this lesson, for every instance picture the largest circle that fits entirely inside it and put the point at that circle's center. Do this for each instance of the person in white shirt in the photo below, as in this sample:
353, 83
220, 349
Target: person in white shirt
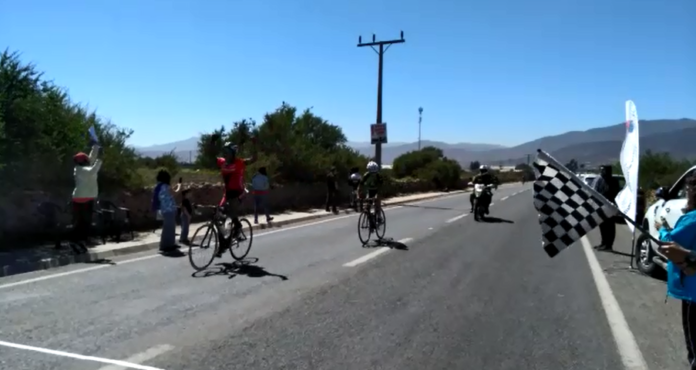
260, 187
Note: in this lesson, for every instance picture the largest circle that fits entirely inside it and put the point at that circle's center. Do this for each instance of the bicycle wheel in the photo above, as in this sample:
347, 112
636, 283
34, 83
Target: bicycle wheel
381, 225
206, 247
364, 225
240, 247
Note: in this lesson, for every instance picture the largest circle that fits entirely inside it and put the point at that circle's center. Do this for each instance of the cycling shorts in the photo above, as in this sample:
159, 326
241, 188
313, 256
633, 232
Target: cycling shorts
231, 194
371, 193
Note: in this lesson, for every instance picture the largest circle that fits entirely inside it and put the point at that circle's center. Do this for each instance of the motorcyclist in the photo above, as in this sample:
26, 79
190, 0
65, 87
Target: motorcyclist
484, 177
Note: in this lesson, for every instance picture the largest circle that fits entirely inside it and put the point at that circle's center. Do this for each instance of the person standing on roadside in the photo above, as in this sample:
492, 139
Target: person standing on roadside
163, 201
331, 190
186, 214
86, 190
679, 246
260, 187
607, 185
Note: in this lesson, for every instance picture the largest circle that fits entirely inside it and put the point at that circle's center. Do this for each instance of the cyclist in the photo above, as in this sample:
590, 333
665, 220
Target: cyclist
354, 181
232, 171
372, 181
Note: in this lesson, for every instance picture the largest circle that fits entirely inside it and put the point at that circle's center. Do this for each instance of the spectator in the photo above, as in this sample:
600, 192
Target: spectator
354, 181
186, 214
260, 187
163, 201
679, 246
86, 191
331, 190
607, 185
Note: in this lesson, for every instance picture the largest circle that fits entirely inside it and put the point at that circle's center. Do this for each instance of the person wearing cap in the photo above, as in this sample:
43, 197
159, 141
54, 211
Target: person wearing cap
86, 191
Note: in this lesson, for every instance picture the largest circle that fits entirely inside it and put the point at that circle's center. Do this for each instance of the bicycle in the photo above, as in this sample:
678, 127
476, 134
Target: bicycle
218, 230
369, 220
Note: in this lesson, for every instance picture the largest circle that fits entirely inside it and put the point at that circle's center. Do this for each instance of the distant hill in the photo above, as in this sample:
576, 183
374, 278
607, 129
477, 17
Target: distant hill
594, 146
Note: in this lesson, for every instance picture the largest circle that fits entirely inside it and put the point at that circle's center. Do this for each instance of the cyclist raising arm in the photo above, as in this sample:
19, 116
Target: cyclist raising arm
372, 181
232, 170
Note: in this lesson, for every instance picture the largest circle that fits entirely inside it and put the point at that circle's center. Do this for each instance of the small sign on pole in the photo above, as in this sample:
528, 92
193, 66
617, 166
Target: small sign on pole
378, 133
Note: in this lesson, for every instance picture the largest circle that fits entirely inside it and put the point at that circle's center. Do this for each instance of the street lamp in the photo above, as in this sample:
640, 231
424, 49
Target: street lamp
420, 119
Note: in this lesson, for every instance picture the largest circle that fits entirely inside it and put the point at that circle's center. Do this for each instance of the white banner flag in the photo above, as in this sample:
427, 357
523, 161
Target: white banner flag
630, 160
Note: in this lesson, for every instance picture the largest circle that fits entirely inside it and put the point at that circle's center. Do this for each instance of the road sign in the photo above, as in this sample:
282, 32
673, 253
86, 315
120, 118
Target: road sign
378, 133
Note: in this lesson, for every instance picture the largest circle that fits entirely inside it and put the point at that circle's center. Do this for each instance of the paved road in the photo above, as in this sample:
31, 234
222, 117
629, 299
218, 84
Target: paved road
458, 294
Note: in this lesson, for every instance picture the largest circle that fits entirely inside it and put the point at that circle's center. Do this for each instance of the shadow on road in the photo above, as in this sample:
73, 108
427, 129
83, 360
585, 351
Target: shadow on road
245, 267
386, 242
431, 207
496, 220
173, 253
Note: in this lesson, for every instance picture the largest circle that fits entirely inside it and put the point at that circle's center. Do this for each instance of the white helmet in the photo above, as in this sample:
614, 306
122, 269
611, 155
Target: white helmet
483, 167
372, 166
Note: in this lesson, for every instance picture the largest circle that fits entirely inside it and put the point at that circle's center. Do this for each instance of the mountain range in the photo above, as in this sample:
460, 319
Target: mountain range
592, 147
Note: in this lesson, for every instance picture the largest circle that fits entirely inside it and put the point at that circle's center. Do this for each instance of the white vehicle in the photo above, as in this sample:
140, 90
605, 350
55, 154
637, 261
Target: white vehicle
588, 178
670, 204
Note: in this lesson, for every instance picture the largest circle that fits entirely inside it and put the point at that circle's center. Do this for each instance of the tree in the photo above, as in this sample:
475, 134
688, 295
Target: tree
572, 166
41, 129
428, 163
293, 147
475, 165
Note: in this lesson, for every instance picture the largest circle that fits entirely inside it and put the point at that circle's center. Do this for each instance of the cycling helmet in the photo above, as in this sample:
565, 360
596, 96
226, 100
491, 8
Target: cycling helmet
230, 147
483, 168
372, 166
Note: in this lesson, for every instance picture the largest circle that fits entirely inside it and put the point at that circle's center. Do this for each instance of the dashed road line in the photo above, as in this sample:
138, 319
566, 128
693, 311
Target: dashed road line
503, 198
142, 357
374, 254
456, 218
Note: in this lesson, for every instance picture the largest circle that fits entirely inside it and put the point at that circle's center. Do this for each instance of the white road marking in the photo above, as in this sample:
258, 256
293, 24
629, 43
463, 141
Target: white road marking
456, 218
490, 205
138, 259
142, 356
122, 364
630, 354
374, 254
503, 198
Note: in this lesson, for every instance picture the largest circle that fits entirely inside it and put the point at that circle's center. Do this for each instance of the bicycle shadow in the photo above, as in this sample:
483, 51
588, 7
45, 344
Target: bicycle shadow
386, 242
496, 220
245, 267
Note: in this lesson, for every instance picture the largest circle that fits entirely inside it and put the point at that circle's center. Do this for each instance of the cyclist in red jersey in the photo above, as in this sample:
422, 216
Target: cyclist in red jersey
232, 171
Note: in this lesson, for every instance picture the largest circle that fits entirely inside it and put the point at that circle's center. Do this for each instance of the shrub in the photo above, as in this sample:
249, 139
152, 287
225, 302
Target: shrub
41, 129
430, 164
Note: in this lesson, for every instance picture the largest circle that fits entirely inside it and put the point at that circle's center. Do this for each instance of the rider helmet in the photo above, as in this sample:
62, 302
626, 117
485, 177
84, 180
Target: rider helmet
372, 166
483, 168
230, 147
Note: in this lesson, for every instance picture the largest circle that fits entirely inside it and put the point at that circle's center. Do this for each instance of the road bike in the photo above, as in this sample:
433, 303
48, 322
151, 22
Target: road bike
217, 234
369, 221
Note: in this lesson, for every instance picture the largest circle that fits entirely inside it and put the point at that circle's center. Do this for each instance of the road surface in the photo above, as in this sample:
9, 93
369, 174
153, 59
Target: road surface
453, 294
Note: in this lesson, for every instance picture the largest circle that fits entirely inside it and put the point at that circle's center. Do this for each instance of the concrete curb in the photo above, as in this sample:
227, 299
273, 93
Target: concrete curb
53, 262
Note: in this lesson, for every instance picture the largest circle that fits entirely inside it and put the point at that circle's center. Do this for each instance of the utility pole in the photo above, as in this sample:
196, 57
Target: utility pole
528, 159
420, 119
380, 51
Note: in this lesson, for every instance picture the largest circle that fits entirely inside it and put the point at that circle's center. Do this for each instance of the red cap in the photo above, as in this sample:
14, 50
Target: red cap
81, 157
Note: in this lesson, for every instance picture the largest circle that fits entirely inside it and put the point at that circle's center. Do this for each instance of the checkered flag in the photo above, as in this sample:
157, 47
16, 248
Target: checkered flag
568, 208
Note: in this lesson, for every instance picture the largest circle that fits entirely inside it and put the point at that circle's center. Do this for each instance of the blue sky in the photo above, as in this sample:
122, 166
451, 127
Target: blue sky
495, 71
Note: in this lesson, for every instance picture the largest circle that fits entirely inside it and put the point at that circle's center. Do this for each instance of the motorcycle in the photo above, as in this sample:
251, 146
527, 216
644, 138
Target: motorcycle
483, 194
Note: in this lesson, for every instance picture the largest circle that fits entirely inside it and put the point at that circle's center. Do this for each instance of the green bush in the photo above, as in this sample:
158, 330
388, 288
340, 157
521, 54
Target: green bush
658, 169
429, 164
41, 129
